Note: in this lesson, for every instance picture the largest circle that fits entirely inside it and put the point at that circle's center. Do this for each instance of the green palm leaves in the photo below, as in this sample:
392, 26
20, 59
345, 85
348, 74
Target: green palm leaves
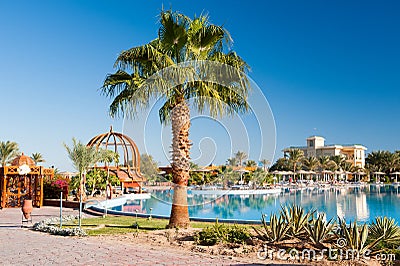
349, 240
291, 222
158, 69
274, 231
82, 156
383, 161
296, 156
387, 229
37, 157
356, 237
320, 231
8, 150
297, 218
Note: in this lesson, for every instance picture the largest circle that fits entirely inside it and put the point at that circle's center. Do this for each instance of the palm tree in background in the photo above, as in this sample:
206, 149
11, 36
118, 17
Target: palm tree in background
281, 164
325, 163
392, 162
385, 161
348, 168
240, 157
339, 160
265, 164
311, 163
8, 150
37, 158
295, 157
232, 161
179, 39
82, 157
375, 161
251, 163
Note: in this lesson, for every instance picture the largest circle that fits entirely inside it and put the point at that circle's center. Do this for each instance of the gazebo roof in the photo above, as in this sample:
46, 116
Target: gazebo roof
22, 159
129, 165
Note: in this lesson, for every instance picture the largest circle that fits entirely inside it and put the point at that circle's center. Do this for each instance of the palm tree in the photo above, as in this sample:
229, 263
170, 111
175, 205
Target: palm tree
281, 164
339, 160
375, 161
265, 164
251, 163
8, 150
158, 72
296, 156
37, 157
232, 161
311, 163
325, 163
82, 158
240, 157
392, 161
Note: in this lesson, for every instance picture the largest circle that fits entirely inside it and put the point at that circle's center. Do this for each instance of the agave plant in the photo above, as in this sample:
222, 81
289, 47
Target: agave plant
320, 231
355, 237
297, 219
275, 231
386, 229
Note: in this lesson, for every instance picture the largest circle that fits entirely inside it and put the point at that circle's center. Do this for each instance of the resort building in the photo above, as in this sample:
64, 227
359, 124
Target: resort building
353, 153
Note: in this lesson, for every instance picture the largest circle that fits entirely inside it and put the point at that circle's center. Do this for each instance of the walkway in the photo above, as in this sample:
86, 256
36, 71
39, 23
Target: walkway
22, 246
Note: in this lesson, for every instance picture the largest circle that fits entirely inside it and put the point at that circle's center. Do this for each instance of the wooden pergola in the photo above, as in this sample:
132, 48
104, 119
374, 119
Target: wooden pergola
22, 180
128, 169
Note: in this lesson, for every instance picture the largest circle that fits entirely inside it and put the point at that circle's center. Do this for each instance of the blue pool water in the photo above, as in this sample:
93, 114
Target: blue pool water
352, 203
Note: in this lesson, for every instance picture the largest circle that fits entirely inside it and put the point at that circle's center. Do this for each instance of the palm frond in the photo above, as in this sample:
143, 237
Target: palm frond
148, 58
173, 32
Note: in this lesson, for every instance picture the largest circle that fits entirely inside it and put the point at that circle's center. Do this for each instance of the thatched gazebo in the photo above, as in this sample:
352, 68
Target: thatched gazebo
128, 169
22, 180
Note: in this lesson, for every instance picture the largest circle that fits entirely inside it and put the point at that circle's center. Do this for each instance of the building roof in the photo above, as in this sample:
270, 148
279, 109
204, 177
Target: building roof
315, 136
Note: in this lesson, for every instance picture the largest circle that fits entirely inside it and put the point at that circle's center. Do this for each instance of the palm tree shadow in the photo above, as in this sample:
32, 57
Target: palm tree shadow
134, 227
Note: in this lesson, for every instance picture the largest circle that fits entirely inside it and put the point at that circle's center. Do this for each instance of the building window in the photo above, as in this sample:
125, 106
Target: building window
311, 143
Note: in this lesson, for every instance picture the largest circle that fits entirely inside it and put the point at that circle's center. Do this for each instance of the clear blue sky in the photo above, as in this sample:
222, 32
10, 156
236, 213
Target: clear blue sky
326, 67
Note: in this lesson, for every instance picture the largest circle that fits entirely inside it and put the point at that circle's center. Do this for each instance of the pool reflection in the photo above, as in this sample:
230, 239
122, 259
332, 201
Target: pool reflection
352, 203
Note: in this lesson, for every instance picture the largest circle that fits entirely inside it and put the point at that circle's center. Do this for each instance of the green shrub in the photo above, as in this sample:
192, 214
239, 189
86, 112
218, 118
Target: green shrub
320, 231
355, 237
297, 219
275, 231
222, 233
387, 230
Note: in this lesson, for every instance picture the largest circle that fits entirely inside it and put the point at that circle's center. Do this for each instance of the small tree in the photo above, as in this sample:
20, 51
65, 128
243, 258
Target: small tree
149, 167
82, 158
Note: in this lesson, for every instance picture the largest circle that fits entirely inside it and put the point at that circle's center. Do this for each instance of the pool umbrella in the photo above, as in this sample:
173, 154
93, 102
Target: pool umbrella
326, 172
301, 172
377, 174
338, 173
359, 173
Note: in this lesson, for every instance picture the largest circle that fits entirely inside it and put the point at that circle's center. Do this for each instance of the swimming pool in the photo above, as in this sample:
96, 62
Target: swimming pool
352, 203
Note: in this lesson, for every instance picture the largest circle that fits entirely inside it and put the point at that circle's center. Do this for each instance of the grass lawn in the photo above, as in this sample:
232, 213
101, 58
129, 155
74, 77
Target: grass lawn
125, 224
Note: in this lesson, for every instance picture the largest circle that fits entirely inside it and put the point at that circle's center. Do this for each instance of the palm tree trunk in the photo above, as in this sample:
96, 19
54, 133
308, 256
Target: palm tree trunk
180, 116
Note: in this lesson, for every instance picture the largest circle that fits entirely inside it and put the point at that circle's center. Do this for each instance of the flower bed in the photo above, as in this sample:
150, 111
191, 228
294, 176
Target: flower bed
49, 226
